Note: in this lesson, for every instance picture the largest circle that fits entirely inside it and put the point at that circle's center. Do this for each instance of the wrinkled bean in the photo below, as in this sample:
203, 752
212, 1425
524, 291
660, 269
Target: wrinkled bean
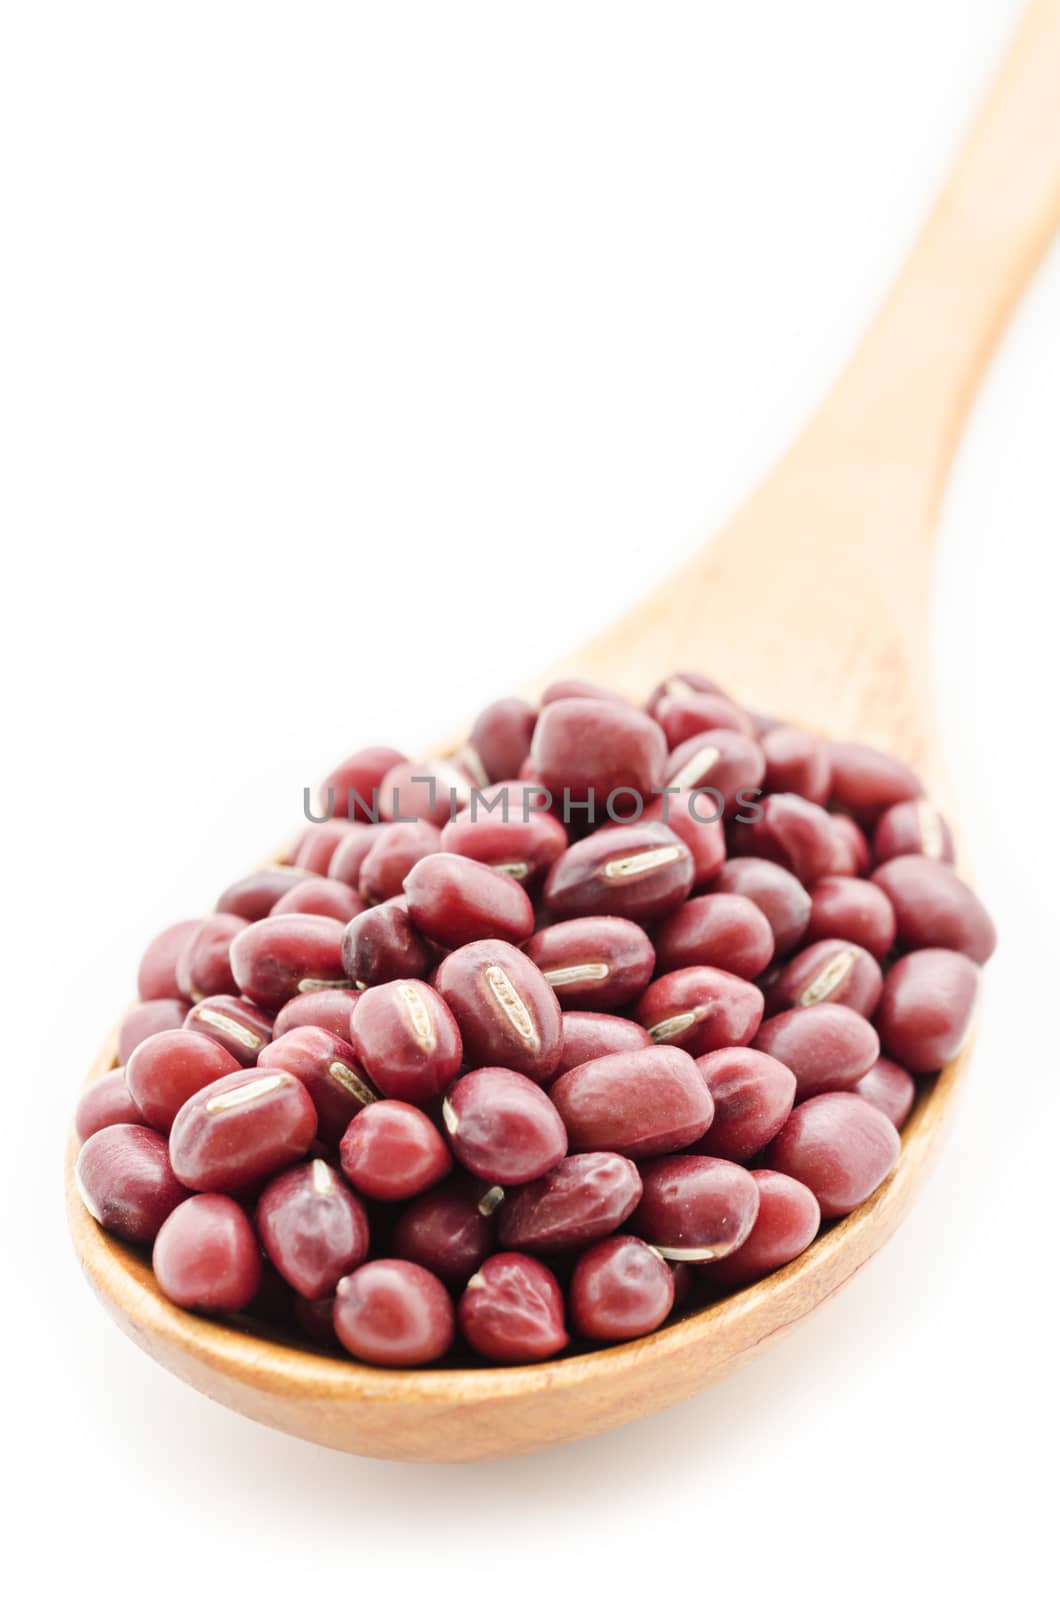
583, 1198
512, 1310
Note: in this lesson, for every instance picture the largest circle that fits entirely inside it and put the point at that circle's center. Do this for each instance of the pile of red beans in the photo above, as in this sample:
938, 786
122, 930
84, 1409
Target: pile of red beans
523, 1050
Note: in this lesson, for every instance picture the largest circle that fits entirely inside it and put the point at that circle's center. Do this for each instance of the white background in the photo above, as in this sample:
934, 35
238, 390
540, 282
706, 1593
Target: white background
357, 360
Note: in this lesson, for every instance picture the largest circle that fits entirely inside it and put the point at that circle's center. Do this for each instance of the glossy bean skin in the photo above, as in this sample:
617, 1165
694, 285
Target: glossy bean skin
126, 1181
934, 909
597, 746
504, 1008
681, 717
683, 683
694, 817
867, 782
787, 1223
408, 1040
583, 1198
105, 1104
150, 1016
890, 1088
700, 1009
797, 762
832, 970
695, 1208
157, 975
351, 852
279, 957
599, 962
723, 760
588, 1034
782, 899
512, 1310
638, 870
853, 855
204, 967
317, 845
522, 849
244, 1029
502, 1127
330, 1009
254, 896
716, 930
313, 1227
791, 831
854, 910
330, 1070
926, 1012
501, 736
240, 1129
826, 1046
580, 689
913, 828
638, 1103
753, 1094
394, 1314
620, 1289
428, 791
839, 1146
167, 1069
206, 1257
447, 1230
352, 790
320, 897
393, 855
392, 1151
455, 901
381, 945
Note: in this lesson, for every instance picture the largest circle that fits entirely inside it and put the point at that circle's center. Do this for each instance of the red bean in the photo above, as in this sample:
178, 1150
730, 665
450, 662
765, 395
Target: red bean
596, 747
826, 1046
432, 791
639, 870
392, 1151
926, 1011
394, 1314
280, 957
583, 1198
204, 967
345, 865
241, 1027
330, 1009
126, 1181
240, 1129
157, 977
502, 1127
681, 717
393, 855
693, 818
683, 683
320, 897
455, 901
637, 1103
588, 1034
700, 1009
317, 846
695, 1208
866, 782
791, 831
253, 897
523, 849
167, 1069
851, 909
913, 828
506, 1013
776, 892
853, 858
598, 961
620, 1289
330, 1070
797, 763
501, 736
448, 1230
787, 1223
313, 1228
752, 1093
890, 1088
408, 1039
352, 790
150, 1016
830, 970
839, 1146
512, 1310
380, 945
722, 760
580, 689
105, 1104
716, 930
206, 1257
934, 908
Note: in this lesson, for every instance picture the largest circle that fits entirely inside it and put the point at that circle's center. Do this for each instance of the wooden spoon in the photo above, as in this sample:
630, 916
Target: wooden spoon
811, 604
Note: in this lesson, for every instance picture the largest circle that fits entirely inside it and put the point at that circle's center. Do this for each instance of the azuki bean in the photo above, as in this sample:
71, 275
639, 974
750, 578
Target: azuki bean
831, 970
637, 1103
279, 957
797, 763
854, 910
588, 1034
791, 831
853, 858
935, 909
317, 846
683, 683
345, 865
502, 1127
522, 849
681, 717
700, 1009
240, 1129
890, 1088
826, 1046
620, 1289
594, 961
583, 1198
839, 1146
581, 689
330, 1009
254, 896
693, 817
505, 1010
776, 892
204, 967
313, 1227
716, 930
723, 760
320, 897
241, 1027
150, 1016
392, 1151
638, 870
695, 1208
753, 1094
455, 901
331, 1072
597, 746
381, 945
394, 1314
787, 1223
393, 855
105, 1104
512, 1309
126, 1181
432, 791
356, 782
913, 828
447, 1230
167, 1069
501, 736
926, 1011
866, 782
206, 1257
157, 975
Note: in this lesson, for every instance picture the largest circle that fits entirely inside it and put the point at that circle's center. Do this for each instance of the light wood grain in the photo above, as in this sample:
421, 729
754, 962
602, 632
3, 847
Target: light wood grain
812, 604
